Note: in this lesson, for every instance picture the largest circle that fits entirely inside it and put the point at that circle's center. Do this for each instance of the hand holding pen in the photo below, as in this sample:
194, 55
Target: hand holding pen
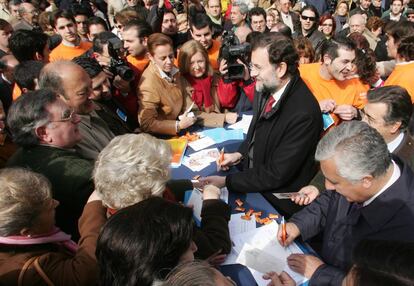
287, 233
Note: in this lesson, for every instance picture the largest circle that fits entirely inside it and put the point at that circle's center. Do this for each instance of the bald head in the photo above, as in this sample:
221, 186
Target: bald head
9, 62
357, 23
71, 82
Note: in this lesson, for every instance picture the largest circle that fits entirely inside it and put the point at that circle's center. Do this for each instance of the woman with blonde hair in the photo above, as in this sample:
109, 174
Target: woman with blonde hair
32, 250
341, 15
201, 86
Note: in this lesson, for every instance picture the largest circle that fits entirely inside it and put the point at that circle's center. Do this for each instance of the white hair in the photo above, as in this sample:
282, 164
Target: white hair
132, 168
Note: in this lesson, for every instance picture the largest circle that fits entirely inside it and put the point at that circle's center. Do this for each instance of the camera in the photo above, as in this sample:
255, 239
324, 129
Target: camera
118, 65
178, 6
231, 50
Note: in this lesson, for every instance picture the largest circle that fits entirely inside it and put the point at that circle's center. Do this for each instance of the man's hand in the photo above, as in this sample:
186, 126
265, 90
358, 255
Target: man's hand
211, 192
346, 111
327, 105
292, 232
230, 159
218, 181
305, 196
279, 280
304, 264
223, 67
121, 84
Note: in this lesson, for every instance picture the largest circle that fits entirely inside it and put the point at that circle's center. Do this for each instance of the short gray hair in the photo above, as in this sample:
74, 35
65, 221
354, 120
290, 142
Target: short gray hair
23, 195
357, 149
27, 113
244, 8
194, 273
132, 168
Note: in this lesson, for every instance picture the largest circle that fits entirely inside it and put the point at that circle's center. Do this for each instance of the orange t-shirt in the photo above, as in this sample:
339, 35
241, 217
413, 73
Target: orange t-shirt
213, 54
350, 92
16, 91
63, 52
401, 76
138, 64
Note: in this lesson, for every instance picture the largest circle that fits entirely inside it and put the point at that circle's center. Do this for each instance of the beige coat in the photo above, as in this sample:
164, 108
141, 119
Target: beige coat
161, 102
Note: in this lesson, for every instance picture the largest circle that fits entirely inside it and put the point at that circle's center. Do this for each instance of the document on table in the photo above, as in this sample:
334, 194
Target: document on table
220, 135
260, 251
201, 159
201, 143
194, 198
243, 124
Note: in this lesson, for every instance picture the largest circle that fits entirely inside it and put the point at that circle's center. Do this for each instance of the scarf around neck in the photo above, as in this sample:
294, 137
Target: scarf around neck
201, 91
55, 236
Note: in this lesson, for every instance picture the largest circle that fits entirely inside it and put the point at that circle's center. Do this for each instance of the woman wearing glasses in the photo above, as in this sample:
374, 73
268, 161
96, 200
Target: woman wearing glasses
327, 26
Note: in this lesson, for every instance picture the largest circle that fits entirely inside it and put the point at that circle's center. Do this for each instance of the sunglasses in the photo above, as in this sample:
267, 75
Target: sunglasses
312, 19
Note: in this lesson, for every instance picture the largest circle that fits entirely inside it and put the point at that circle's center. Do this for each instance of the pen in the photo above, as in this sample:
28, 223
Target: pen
221, 158
283, 224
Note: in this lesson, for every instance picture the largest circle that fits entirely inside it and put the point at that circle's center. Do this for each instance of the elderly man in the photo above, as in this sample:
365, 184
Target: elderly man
288, 17
46, 129
357, 24
238, 14
338, 97
371, 199
29, 17
74, 86
277, 154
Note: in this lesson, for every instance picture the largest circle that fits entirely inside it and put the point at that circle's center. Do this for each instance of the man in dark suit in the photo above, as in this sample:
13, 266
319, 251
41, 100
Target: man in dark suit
277, 155
371, 199
291, 19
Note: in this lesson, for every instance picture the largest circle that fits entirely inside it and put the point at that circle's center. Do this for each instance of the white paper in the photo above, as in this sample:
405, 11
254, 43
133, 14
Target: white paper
201, 143
244, 123
201, 159
259, 260
196, 200
264, 239
238, 225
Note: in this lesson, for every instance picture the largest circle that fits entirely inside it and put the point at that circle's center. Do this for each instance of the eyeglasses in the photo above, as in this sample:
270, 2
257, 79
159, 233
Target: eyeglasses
327, 25
67, 115
312, 19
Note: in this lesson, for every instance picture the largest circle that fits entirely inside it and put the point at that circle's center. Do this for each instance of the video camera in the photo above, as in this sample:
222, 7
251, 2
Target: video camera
231, 50
118, 64
178, 5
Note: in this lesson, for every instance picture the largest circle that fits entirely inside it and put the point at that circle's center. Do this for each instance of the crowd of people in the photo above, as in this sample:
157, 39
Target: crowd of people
89, 90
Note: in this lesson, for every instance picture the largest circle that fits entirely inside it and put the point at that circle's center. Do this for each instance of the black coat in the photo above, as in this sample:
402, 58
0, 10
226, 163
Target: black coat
284, 143
389, 217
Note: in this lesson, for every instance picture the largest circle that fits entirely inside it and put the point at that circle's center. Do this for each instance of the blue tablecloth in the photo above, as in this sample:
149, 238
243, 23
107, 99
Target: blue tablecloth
239, 273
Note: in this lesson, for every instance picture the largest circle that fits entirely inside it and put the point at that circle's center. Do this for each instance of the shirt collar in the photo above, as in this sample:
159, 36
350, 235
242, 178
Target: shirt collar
396, 173
395, 143
278, 94
165, 76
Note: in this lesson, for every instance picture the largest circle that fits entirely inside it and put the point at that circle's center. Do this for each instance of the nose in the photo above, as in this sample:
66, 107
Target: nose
55, 203
253, 72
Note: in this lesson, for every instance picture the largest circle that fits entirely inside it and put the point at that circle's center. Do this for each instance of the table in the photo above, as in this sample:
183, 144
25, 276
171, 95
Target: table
239, 273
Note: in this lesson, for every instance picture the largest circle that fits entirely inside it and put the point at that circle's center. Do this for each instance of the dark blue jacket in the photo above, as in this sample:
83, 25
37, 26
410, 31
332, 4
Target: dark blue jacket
389, 217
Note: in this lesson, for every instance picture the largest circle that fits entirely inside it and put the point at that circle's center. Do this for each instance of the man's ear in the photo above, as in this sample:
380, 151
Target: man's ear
327, 59
42, 134
145, 41
281, 70
395, 127
38, 57
367, 181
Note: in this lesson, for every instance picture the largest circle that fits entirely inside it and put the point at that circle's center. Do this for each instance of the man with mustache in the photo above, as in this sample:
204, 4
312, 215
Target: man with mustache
71, 46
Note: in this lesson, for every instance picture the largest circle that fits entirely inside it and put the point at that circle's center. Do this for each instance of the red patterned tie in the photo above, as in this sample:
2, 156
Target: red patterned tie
269, 104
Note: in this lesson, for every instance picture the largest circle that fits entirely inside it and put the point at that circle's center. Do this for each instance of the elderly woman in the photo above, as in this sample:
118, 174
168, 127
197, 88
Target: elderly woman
200, 87
159, 94
32, 250
137, 167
